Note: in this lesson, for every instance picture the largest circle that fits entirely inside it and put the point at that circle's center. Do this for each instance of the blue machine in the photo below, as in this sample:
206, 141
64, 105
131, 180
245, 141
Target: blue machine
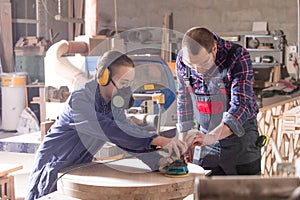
152, 75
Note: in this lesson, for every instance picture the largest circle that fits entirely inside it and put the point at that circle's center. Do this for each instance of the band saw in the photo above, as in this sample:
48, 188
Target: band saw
155, 95
154, 92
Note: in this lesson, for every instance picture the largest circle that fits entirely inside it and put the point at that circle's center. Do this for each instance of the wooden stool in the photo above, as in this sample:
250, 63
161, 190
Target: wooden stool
7, 189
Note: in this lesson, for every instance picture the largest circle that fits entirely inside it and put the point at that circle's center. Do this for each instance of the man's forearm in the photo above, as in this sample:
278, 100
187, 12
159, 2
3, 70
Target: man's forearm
160, 141
220, 132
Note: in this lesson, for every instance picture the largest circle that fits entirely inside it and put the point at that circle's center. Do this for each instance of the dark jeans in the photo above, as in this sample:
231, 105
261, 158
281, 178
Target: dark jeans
253, 168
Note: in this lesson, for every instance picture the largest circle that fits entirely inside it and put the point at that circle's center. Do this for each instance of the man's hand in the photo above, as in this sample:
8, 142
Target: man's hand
176, 146
172, 145
197, 138
190, 137
200, 139
188, 156
163, 163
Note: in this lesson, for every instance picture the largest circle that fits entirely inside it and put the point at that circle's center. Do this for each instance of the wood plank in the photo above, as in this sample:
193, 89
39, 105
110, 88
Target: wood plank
79, 15
91, 18
9, 168
165, 38
245, 187
6, 44
70, 24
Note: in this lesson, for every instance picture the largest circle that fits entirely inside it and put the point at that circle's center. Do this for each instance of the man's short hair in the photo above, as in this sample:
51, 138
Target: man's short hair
196, 38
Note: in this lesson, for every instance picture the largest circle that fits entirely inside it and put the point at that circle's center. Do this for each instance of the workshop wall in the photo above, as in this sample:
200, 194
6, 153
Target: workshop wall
217, 15
221, 16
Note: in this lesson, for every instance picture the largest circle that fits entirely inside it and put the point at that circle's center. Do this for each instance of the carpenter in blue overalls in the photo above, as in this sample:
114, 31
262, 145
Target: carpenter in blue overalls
215, 91
88, 120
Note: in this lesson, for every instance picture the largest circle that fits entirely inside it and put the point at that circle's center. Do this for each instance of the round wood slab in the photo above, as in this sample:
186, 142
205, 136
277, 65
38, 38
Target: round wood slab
124, 179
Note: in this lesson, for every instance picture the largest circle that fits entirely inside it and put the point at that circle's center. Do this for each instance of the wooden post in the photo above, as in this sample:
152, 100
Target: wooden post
45, 127
165, 39
70, 24
91, 17
6, 45
78, 14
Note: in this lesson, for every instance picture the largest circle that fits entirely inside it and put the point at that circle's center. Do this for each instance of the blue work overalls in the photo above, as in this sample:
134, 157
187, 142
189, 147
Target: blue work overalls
80, 131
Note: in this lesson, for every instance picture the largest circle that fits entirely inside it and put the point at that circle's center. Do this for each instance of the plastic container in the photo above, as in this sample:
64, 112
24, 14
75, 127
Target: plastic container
13, 98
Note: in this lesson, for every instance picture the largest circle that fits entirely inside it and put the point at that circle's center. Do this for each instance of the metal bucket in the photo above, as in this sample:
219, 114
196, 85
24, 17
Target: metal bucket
13, 98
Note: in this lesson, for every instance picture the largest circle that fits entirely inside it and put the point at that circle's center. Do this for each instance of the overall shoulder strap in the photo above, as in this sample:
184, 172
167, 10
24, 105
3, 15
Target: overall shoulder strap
186, 78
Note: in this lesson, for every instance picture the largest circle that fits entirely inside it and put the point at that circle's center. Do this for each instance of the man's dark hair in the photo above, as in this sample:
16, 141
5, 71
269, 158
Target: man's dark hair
196, 38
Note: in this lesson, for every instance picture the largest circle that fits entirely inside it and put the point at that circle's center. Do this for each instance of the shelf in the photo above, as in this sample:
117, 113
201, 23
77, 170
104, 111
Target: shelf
261, 67
265, 50
35, 102
264, 64
259, 36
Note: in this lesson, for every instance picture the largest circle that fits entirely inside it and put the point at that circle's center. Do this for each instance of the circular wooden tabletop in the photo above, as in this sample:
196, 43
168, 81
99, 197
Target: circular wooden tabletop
124, 179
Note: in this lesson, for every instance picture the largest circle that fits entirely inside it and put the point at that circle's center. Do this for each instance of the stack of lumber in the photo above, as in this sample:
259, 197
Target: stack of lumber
291, 120
289, 143
31, 45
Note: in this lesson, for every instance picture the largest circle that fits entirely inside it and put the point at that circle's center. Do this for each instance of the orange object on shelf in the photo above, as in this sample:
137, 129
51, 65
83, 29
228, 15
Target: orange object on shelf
13, 79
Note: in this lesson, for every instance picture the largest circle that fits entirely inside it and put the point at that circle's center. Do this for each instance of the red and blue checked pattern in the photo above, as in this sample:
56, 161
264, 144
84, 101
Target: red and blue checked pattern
238, 84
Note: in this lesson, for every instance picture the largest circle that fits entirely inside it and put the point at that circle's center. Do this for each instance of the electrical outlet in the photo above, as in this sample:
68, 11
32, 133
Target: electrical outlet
293, 49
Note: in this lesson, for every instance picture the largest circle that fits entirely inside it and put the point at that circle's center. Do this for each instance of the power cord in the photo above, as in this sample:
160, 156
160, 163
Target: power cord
86, 165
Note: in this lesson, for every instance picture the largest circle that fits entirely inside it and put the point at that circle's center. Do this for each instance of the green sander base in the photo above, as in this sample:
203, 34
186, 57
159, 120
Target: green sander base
177, 169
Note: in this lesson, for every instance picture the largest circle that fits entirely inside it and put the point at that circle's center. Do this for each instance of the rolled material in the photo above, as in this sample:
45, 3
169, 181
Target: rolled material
78, 47
62, 67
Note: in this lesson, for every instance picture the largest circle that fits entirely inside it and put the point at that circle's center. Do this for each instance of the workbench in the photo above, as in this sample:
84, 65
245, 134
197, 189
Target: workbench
21, 143
124, 179
30, 142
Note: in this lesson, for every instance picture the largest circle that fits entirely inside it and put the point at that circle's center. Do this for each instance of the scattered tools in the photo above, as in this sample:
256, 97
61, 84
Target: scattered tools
282, 87
31, 45
57, 95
